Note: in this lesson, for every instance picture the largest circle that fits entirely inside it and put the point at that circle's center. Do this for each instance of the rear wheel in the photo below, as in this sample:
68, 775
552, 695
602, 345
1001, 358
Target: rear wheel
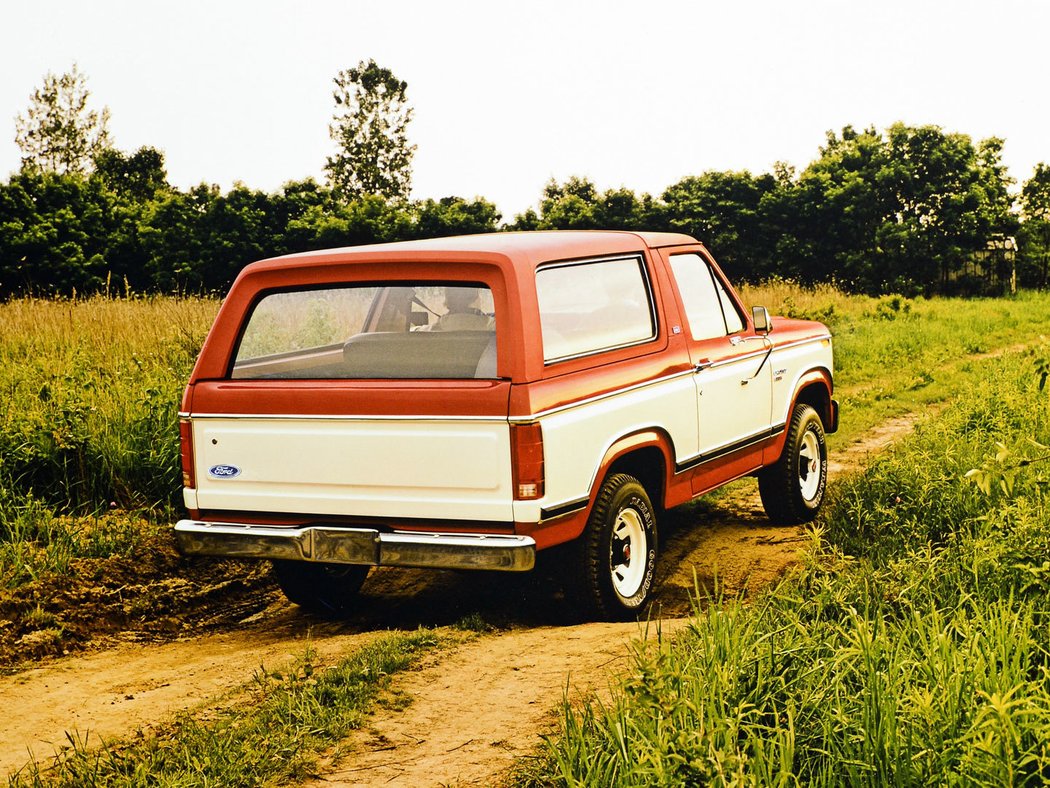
614, 560
792, 490
320, 588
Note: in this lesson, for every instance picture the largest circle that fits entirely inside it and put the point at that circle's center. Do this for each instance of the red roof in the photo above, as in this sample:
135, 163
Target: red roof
538, 247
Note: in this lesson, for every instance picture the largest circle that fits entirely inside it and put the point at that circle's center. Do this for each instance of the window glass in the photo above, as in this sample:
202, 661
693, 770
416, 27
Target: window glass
588, 307
734, 322
404, 330
704, 298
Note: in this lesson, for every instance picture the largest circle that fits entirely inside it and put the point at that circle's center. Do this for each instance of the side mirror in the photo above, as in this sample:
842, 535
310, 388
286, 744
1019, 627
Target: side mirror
763, 325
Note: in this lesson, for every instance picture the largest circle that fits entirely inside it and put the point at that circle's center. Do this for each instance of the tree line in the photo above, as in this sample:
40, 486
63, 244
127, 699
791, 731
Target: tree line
906, 209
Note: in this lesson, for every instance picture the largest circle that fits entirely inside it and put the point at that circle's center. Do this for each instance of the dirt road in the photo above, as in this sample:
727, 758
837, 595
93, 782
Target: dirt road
473, 711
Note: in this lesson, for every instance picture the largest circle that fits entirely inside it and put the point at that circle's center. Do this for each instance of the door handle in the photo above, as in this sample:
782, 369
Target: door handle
702, 364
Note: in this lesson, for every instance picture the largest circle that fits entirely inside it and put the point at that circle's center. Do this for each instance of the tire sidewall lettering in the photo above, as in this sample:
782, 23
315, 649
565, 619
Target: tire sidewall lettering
818, 496
639, 505
647, 583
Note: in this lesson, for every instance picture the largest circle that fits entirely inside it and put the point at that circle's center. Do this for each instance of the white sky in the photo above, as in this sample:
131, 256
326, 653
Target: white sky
509, 95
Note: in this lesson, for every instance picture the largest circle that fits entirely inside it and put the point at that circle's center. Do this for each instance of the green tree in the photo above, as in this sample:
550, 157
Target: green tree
569, 206
789, 215
902, 211
454, 216
1035, 230
55, 234
175, 244
622, 209
58, 133
368, 220
578, 205
201, 239
133, 181
946, 199
834, 211
370, 129
138, 177
724, 211
298, 211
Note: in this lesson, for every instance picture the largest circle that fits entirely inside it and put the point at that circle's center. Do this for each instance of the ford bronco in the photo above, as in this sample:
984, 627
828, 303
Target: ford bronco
466, 402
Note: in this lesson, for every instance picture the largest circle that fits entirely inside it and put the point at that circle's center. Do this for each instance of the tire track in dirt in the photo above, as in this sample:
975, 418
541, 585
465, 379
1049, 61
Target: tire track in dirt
119, 691
473, 711
484, 705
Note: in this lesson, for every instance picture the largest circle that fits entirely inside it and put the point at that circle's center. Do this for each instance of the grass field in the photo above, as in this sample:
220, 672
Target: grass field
88, 434
92, 389
895, 355
911, 650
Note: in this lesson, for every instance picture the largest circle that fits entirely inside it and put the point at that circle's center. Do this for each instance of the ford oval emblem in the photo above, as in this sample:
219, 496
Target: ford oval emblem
224, 471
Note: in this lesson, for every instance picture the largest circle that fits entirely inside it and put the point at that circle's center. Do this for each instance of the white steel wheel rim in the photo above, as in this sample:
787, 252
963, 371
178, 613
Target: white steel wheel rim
627, 555
809, 466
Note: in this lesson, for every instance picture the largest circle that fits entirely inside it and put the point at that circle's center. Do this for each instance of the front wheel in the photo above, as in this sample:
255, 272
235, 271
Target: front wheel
329, 589
615, 558
792, 490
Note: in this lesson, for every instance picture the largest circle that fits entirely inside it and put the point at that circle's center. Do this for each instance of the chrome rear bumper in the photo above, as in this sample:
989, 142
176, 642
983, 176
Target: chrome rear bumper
326, 544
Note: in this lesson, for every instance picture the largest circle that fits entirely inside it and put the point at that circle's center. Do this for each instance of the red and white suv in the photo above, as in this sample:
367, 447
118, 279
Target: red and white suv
466, 402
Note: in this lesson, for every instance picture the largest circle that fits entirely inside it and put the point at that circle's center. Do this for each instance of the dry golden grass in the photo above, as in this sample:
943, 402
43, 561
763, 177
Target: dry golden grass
92, 389
784, 297
119, 327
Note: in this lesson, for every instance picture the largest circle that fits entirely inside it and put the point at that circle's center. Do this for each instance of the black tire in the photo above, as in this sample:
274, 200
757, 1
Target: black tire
793, 489
329, 589
614, 561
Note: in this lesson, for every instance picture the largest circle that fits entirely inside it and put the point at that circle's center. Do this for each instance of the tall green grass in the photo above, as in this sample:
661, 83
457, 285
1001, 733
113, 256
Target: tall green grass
913, 649
91, 391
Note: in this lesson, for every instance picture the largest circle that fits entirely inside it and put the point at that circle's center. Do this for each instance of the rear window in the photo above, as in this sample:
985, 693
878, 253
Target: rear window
401, 330
594, 306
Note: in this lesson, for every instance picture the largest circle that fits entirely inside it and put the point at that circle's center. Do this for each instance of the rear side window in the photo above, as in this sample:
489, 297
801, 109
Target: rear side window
403, 330
590, 307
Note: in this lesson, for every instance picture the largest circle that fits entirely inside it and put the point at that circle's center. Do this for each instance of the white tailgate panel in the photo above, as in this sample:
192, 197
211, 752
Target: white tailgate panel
367, 468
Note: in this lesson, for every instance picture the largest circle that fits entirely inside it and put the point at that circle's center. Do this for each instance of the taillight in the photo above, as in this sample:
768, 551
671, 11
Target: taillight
527, 448
186, 452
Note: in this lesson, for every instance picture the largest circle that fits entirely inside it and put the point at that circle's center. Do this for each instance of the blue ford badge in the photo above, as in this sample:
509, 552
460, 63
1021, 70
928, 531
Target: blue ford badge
224, 471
